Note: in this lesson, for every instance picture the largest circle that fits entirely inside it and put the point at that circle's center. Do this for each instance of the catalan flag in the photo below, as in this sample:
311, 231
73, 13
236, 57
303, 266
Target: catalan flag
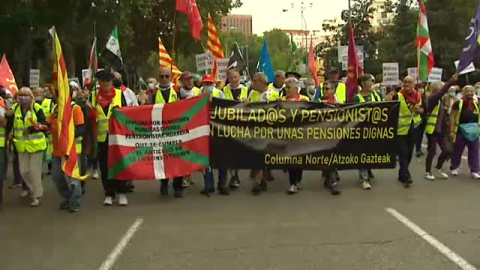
66, 127
166, 61
213, 44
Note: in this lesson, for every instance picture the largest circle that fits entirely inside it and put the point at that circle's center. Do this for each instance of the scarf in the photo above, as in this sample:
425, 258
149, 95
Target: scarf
330, 100
469, 102
297, 98
105, 98
412, 98
123, 88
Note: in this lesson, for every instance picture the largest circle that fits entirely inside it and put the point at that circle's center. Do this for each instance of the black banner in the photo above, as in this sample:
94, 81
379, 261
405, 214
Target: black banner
312, 136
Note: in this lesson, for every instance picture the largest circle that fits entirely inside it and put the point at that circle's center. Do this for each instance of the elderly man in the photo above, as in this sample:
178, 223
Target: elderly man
166, 92
409, 120
279, 84
129, 95
188, 89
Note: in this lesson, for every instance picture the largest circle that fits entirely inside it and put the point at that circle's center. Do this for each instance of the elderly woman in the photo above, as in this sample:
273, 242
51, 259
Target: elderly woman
437, 128
464, 131
30, 141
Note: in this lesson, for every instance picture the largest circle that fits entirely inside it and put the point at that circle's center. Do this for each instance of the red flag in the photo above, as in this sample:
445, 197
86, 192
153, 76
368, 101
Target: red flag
190, 8
7, 79
312, 65
354, 68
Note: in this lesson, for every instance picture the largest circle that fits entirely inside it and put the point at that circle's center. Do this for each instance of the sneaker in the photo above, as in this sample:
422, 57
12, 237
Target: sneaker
441, 174
234, 184
73, 210
122, 200
25, 194
95, 174
64, 205
454, 172
292, 190
185, 184
366, 185
256, 190
35, 203
299, 186
108, 201
475, 175
334, 189
429, 176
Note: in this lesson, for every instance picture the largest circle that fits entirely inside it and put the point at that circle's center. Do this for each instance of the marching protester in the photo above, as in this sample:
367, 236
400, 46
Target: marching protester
279, 84
310, 89
409, 120
3, 144
291, 91
238, 92
47, 108
30, 142
437, 128
340, 88
331, 173
105, 100
209, 87
261, 93
69, 188
367, 94
421, 129
464, 132
167, 94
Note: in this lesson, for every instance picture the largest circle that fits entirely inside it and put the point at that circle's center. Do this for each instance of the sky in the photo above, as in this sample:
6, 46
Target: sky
268, 14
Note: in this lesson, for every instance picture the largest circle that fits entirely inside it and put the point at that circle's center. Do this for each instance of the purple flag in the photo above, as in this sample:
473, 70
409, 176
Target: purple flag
471, 47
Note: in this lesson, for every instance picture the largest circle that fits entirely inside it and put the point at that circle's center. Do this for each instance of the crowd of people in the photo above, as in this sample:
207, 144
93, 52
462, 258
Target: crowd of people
448, 115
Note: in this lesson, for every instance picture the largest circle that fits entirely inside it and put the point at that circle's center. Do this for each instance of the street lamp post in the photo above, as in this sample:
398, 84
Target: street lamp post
303, 7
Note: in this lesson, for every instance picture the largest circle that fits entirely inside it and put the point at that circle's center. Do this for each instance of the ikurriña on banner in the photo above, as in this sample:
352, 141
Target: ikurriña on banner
311, 136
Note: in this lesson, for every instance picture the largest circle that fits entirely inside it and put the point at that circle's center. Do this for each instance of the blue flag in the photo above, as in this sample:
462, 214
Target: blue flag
265, 64
472, 41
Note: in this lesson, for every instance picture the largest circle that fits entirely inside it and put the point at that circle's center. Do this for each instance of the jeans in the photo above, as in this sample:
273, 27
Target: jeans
473, 159
222, 178
69, 188
405, 151
442, 141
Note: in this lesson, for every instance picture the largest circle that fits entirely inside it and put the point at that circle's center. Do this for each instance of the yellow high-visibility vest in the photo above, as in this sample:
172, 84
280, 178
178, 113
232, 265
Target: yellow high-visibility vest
172, 97
432, 120
102, 119
375, 97
406, 117
227, 91
255, 96
47, 107
31, 143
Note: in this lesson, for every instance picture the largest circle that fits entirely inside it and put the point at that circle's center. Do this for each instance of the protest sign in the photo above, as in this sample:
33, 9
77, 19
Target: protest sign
343, 55
391, 74
34, 78
435, 75
222, 66
204, 61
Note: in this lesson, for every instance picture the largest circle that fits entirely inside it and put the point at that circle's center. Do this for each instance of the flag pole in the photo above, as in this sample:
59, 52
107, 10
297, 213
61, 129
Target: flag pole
173, 39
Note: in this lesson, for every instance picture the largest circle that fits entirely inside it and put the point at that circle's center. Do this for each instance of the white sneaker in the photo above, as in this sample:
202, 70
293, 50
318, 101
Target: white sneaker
454, 172
35, 203
293, 189
122, 200
95, 174
429, 176
475, 175
25, 194
185, 184
366, 185
108, 201
441, 174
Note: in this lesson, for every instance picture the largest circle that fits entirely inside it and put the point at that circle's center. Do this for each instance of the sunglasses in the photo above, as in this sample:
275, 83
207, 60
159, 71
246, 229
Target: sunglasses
164, 76
327, 88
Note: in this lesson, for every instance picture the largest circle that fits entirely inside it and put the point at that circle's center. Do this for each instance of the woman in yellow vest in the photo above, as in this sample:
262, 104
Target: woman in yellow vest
437, 128
464, 132
409, 120
28, 136
291, 94
105, 100
69, 188
367, 94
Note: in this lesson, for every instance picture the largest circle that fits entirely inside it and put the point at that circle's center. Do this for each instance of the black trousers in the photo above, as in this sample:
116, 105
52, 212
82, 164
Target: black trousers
331, 176
405, 143
110, 186
177, 182
419, 132
295, 175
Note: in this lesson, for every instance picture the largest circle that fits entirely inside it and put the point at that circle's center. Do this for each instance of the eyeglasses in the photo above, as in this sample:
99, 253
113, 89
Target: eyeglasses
164, 76
327, 88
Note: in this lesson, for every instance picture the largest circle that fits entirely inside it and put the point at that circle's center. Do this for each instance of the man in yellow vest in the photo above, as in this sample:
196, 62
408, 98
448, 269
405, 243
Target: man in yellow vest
261, 93
47, 108
3, 144
340, 88
166, 89
409, 119
105, 100
279, 84
166, 94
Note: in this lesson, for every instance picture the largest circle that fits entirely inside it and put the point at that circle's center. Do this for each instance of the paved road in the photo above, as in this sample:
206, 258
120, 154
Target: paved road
311, 230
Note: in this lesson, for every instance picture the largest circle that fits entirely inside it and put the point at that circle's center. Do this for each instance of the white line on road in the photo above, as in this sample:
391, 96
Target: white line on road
117, 251
462, 263
463, 157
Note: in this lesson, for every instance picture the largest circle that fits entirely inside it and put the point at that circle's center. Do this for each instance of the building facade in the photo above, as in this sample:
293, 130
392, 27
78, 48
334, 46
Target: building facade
240, 23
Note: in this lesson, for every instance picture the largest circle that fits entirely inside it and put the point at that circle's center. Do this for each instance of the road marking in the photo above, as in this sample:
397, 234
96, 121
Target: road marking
117, 251
462, 263
426, 146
